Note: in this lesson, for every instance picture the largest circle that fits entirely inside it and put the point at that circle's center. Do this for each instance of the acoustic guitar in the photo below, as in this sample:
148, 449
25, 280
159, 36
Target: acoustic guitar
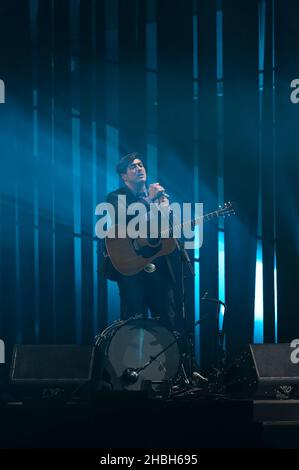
130, 256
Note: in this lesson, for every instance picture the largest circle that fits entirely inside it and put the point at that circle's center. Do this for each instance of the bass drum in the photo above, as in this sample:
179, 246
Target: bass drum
131, 344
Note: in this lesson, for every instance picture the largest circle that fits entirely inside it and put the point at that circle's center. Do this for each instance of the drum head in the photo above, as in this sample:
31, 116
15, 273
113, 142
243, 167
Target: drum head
132, 345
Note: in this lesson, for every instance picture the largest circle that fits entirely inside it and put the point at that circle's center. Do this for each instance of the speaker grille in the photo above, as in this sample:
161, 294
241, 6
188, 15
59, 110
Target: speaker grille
274, 361
51, 364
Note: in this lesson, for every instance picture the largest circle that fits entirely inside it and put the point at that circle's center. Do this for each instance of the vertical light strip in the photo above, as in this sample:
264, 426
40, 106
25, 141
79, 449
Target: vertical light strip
221, 273
76, 163
219, 43
274, 166
219, 91
151, 90
35, 222
196, 267
258, 299
275, 297
112, 133
262, 26
77, 223
195, 47
152, 158
33, 30
112, 156
53, 181
95, 243
196, 185
17, 267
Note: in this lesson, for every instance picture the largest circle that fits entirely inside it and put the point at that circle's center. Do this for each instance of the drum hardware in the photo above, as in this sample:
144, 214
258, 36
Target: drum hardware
185, 377
198, 378
193, 377
132, 375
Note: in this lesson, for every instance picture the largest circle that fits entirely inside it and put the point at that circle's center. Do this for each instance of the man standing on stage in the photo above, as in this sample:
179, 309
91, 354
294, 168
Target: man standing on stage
152, 289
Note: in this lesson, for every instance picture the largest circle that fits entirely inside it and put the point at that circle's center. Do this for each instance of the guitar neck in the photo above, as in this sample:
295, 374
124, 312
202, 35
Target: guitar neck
205, 218
194, 222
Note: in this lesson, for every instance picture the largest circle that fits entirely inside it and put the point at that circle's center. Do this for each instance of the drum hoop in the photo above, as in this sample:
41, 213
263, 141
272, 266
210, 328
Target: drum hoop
118, 324
111, 330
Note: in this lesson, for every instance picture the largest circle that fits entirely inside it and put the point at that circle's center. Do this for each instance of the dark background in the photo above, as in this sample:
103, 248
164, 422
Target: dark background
202, 90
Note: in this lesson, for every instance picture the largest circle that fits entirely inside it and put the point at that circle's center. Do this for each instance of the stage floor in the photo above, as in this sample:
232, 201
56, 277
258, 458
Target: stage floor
128, 420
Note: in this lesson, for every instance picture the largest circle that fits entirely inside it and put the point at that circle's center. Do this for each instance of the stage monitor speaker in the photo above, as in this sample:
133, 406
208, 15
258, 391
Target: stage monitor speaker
51, 365
263, 371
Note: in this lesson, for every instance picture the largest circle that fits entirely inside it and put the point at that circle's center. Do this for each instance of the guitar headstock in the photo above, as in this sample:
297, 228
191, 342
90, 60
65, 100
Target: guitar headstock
227, 209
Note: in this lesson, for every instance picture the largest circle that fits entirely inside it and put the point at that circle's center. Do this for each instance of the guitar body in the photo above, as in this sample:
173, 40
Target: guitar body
130, 256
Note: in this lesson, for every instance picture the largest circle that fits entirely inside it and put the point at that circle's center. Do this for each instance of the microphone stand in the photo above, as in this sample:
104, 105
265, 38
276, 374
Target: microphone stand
185, 261
188, 354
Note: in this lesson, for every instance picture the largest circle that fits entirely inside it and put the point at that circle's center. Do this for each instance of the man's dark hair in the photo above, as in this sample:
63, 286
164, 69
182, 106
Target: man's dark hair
125, 161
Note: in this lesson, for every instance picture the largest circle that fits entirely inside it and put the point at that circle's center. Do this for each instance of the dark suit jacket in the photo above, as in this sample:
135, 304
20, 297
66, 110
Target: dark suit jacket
163, 262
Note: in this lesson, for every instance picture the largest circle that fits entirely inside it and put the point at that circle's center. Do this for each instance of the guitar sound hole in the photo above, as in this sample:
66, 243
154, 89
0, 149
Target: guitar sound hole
153, 241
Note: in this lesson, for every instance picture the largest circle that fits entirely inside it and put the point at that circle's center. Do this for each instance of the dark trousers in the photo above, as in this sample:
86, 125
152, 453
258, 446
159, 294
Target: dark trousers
153, 291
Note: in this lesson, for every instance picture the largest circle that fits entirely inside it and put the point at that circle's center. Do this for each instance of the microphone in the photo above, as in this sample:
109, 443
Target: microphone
130, 375
160, 194
204, 297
